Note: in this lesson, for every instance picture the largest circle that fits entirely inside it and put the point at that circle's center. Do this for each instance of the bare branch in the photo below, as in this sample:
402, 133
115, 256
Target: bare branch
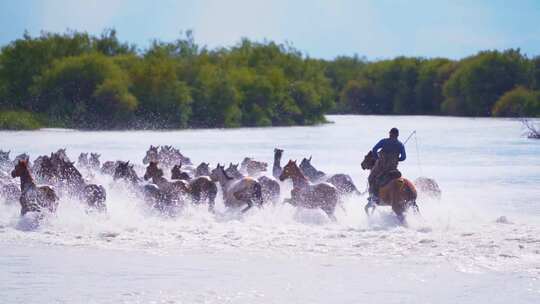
532, 130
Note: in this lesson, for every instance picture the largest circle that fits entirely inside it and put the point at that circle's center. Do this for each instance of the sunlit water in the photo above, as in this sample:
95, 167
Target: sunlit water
479, 243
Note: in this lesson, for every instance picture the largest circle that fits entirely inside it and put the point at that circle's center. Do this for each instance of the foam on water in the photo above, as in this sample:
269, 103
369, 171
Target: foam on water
486, 221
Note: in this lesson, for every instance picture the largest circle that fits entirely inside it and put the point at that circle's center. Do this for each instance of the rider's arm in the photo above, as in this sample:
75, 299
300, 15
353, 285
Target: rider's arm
377, 147
402, 154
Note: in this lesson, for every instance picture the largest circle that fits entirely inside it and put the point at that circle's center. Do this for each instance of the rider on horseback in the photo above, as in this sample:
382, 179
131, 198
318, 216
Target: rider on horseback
391, 152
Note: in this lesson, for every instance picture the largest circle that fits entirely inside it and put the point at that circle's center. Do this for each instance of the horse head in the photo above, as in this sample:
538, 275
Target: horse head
278, 153
4, 156
290, 170
219, 174
83, 159
94, 160
203, 169
125, 171
177, 173
151, 155
233, 171
20, 168
369, 161
153, 171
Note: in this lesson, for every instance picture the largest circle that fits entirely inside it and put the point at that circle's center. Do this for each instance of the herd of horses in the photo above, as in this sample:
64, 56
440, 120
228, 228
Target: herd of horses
242, 185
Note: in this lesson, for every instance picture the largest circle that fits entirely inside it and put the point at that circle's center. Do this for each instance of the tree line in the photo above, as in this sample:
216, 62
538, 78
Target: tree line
77, 80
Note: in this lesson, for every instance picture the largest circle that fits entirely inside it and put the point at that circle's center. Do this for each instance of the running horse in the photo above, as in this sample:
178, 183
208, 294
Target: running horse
33, 198
305, 194
399, 193
238, 192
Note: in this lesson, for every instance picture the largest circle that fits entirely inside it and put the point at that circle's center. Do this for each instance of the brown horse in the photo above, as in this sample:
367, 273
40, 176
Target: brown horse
71, 180
322, 195
33, 198
176, 189
201, 188
269, 186
238, 192
399, 193
177, 173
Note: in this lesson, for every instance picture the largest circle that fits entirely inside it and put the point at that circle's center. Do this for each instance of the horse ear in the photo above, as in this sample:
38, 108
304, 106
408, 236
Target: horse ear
310, 157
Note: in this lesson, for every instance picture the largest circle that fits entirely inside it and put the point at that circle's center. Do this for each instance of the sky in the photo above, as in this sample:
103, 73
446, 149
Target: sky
375, 29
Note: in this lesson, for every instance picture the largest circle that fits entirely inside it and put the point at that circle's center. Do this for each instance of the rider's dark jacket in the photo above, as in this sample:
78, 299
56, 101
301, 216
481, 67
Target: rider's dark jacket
390, 146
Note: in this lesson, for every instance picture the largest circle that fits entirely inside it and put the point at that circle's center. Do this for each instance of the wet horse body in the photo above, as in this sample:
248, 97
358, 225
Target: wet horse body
342, 182
174, 191
305, 194
201, 188
34, 198
270, 187
399, 193
150, 193
238, 192
168, 156
69, 178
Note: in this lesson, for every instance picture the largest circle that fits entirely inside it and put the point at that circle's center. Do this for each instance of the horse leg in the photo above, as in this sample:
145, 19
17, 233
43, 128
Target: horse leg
415, 207
249, 205
399, 209
370, 209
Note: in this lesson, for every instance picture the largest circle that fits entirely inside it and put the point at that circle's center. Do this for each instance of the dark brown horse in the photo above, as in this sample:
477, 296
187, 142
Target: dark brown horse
322, 195
399, 193
33, 198
69, 178
151, 194
175, 190
201, 188
177, 173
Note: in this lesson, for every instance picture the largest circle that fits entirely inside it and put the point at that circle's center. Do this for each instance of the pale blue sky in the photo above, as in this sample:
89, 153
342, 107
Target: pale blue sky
321, 28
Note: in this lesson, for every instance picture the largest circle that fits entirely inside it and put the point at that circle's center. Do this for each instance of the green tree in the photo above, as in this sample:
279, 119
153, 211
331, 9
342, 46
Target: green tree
481, 80
518, 102
87, 91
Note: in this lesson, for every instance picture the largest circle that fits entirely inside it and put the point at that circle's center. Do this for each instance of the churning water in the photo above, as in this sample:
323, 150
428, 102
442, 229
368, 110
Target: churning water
479, 243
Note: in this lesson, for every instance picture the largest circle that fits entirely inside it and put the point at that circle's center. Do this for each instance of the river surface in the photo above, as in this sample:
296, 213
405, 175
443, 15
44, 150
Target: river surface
480, 243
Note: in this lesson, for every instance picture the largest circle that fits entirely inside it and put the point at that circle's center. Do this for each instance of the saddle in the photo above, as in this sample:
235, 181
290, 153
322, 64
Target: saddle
386, 177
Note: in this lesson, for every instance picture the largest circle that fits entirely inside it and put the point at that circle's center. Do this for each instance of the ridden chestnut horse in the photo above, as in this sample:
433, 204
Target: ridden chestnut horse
238, 192
399, 193
33, 198
322, 195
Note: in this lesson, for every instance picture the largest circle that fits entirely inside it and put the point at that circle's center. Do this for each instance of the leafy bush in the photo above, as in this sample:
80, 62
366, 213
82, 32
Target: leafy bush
517, 103
18, 120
